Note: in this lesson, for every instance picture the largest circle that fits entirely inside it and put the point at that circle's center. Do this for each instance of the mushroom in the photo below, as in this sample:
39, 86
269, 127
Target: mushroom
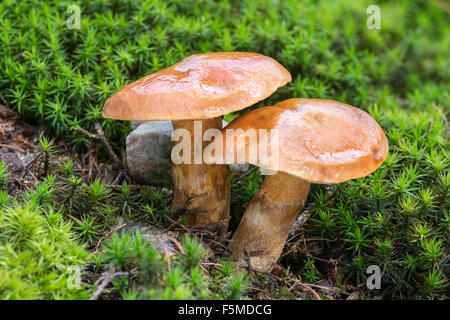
201, 87
319, 141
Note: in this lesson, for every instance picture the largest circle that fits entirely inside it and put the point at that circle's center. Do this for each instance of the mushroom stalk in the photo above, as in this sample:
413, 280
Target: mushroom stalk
268, 218
203, 189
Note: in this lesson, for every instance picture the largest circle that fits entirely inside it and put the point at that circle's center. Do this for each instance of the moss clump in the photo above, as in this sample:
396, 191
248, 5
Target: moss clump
40, 257
152, 274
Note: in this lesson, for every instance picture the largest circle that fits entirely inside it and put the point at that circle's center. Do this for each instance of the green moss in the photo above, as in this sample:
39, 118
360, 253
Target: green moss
39, 256
176, 277
396, 217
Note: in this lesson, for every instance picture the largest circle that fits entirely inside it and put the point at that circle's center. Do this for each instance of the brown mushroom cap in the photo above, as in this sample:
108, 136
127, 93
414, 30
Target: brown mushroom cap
201, 86
320, 141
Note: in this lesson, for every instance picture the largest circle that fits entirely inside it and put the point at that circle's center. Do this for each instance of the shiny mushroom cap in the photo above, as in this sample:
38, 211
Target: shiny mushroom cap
201, 86
320, 141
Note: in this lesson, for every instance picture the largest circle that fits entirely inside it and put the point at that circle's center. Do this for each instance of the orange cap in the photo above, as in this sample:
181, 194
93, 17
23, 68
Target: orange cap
201, 86
320, 141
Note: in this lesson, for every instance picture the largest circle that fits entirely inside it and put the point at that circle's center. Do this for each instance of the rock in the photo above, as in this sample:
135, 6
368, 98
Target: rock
266, 172
148, 149
11, 160
299, 222
135, 124
239, 168
163, 240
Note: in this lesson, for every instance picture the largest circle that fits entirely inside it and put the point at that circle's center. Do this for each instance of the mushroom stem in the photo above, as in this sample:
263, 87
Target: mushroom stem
266, 223
202, 190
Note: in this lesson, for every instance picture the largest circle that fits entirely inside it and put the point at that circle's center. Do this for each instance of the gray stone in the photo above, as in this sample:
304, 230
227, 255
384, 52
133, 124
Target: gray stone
161, 239
135, 124
11, 160
148, 149
239, 168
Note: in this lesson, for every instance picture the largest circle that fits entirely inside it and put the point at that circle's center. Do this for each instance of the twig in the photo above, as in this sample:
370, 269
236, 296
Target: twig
107, 234
13, 147
180, 247
168, 257
142, 186
86, 133
117, 179
204, 270
173, 225
187, 230
102, 137
30, 164
218, 265
314, 294
105, 279
184, 210
322, 287
255, 289
218, 243
245, 175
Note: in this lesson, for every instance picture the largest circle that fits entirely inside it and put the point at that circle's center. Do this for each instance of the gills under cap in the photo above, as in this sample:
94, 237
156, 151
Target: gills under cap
320, 141
201, 86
